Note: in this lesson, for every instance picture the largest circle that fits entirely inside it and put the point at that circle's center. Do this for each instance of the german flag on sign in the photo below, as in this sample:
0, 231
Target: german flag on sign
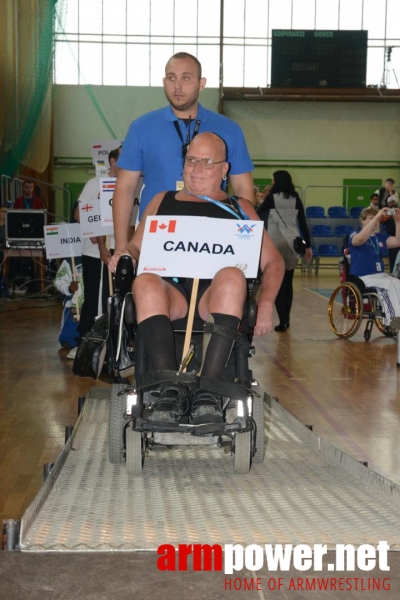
168, 227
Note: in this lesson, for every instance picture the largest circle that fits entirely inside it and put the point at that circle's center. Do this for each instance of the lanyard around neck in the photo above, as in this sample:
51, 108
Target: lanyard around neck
374, 242
188, 138
221, 205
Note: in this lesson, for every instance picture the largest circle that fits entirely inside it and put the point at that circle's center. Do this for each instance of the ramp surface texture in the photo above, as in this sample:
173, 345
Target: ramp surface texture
305, 492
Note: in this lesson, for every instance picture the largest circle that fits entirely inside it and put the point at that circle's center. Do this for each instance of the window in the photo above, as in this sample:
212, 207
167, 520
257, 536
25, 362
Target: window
124, 42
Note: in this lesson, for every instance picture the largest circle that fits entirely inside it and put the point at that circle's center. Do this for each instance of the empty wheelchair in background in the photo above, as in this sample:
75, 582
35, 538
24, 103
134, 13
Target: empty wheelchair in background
351, 303
132, 432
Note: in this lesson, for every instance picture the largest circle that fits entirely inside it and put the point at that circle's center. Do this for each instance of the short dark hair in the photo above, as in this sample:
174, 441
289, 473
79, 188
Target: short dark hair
114, 154
389, 179
373, 195
185, 55
27, 181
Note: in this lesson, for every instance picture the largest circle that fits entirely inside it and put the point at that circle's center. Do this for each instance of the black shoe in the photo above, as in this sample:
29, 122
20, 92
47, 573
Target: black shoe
171, 402
282, 327
205, 407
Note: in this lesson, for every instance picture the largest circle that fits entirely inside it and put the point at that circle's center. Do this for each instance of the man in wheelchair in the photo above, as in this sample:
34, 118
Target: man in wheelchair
367, 248
220, 302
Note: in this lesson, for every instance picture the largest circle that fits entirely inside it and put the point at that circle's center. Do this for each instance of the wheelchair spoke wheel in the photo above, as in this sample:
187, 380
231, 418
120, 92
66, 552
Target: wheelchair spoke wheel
134, 451
258, 415
345, 310
242, 452
116, 424
379, 323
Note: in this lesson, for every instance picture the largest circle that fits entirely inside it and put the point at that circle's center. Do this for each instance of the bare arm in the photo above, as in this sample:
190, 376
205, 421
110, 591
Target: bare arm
394, 240
105, 253
243, 186
362, 236
123, 199
134, 246
273, 268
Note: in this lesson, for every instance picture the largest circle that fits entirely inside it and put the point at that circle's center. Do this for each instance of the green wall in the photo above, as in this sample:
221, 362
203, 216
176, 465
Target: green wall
319, 143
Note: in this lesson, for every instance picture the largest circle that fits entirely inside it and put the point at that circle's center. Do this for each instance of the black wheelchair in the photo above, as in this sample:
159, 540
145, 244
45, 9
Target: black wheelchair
351, 303
132, 435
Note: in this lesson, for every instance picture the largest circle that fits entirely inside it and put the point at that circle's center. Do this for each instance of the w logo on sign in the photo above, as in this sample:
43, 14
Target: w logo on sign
168, 227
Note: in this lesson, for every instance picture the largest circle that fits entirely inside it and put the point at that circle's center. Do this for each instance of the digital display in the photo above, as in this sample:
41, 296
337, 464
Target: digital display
310, 58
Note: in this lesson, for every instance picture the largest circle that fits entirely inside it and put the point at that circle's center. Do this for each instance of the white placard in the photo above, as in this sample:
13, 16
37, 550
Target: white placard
198, 247
107, 187
90, 219
100, 152
63, 240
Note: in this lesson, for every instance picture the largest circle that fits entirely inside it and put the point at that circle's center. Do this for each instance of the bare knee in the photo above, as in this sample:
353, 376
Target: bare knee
146, 286
233, 278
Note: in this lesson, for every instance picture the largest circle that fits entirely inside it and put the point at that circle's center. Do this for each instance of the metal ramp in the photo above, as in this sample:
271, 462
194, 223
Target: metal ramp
305, 492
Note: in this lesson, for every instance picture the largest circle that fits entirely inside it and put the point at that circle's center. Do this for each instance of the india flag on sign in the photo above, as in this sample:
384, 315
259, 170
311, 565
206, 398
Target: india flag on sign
51, 230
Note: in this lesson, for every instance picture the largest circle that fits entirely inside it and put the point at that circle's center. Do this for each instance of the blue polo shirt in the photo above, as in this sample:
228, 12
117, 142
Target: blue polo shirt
364, 258
154, 147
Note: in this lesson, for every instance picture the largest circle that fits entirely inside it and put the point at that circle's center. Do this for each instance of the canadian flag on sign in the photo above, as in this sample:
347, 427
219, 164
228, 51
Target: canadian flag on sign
154, 225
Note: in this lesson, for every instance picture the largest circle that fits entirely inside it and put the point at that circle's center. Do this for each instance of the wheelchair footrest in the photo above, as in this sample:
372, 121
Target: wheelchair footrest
238, 426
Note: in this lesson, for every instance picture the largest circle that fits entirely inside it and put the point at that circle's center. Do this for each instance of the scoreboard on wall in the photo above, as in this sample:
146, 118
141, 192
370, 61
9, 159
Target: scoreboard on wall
310, 58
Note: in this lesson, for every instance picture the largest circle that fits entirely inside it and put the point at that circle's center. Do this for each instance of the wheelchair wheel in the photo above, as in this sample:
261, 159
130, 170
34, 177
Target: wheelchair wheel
258, 415
345, 310
134, 451
116, 424
242, 452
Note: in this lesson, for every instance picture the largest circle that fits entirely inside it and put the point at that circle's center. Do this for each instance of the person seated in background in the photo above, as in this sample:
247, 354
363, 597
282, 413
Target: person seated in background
367, 246
374, 200
28, 200
159, 301
65, 283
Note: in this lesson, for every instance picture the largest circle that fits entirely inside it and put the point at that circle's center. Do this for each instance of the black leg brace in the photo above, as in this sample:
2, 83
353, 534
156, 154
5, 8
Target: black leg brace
159, 341
223, 335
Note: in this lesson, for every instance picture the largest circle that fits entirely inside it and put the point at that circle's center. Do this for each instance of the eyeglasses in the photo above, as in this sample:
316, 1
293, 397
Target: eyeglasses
206, 163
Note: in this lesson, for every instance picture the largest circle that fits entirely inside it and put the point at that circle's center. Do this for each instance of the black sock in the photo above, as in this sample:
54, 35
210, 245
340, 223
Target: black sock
159, 341
219, 347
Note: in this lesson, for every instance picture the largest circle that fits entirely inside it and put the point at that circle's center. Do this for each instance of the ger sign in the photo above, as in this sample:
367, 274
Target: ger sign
90, 219
198, 247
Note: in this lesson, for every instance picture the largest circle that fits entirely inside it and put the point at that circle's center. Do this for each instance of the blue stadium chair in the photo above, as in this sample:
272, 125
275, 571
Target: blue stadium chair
315, 211
341, 230
321, 231
328, 250
355, 211
337, 212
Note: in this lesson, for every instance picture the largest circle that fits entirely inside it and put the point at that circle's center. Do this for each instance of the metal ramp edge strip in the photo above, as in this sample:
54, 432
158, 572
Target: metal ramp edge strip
371, 479
46, 487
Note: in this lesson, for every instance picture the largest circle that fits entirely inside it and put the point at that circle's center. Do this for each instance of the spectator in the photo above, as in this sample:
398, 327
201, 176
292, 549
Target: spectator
28, 200
283, 213
374, 200
386, 191
390, 226
156, 144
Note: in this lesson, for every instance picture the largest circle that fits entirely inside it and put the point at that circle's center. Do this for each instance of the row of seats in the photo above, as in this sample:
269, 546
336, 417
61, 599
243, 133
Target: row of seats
336, 212
326, 250
326, 230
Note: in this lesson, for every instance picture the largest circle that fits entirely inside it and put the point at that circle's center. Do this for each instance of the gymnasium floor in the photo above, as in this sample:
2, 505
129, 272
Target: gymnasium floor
347, 390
